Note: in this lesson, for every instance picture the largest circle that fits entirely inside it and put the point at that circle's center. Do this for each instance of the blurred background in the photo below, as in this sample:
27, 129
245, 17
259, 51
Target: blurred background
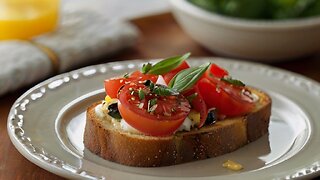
41, 38
120, 9
47, 37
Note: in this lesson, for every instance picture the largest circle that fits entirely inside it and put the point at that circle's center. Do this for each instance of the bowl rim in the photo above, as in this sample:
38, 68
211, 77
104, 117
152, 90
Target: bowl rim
242, 23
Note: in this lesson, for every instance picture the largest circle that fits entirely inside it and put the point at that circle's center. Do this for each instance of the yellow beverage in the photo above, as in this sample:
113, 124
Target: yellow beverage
23, 19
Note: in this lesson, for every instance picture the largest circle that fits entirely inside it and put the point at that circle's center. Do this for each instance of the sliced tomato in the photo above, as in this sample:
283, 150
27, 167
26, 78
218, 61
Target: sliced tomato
113, 85
166, 116
217, 71
138, 75
168, 76
198, 104
229, 100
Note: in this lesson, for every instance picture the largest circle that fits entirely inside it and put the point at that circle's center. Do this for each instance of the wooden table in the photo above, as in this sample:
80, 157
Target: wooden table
161, 37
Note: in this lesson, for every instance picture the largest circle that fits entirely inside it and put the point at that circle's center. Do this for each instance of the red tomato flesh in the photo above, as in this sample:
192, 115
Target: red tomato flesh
227, 99
113, 85
167, 116
217, 71
137, 75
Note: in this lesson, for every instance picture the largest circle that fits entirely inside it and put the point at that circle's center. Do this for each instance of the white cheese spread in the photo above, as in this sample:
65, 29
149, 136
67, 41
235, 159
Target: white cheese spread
186, 125
126, 127
99, 112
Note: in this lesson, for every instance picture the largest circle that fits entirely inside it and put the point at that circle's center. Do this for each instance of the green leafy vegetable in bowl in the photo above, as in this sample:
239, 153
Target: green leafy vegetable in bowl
262, 9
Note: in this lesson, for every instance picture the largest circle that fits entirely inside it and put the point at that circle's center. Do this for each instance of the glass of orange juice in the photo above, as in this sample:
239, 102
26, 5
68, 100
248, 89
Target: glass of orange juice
23, 19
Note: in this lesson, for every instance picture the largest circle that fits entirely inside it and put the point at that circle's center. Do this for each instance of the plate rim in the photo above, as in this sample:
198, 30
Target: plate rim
36, 159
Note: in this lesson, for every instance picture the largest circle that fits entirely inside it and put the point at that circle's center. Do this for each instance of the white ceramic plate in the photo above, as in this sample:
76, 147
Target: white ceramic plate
46, 125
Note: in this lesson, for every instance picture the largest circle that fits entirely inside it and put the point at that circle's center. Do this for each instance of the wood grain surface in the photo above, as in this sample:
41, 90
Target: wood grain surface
160, 37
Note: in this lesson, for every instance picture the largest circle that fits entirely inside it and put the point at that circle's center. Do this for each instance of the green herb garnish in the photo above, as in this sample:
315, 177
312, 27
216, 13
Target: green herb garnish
146, 68
141, 94
126, 75
185, 79
262, 9
233, 81
164, 91
165, 65
151, 86
159, 89
152, 104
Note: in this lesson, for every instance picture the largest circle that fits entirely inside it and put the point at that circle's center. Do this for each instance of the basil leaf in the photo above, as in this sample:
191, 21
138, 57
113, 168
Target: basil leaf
185, 79
146, 68
233, 81
167, 65
164, 91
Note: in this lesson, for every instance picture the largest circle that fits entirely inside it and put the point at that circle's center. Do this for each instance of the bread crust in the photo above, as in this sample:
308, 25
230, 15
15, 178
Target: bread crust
146, 151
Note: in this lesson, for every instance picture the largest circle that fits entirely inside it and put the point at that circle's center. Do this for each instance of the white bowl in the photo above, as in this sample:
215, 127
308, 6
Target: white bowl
249, 39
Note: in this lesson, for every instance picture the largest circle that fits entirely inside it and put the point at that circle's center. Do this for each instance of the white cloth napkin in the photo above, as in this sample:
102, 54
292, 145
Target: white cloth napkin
81, 38
120, 9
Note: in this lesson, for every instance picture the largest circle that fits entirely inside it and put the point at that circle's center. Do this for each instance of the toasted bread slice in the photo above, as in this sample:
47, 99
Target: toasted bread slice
106, 140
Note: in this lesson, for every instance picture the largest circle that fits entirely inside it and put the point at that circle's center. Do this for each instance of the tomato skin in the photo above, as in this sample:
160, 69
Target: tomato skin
157, 123
147, 126
212, 93
215, 72
198, 104
227, 99
218, 71
113, 85
137, 75
168, 76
